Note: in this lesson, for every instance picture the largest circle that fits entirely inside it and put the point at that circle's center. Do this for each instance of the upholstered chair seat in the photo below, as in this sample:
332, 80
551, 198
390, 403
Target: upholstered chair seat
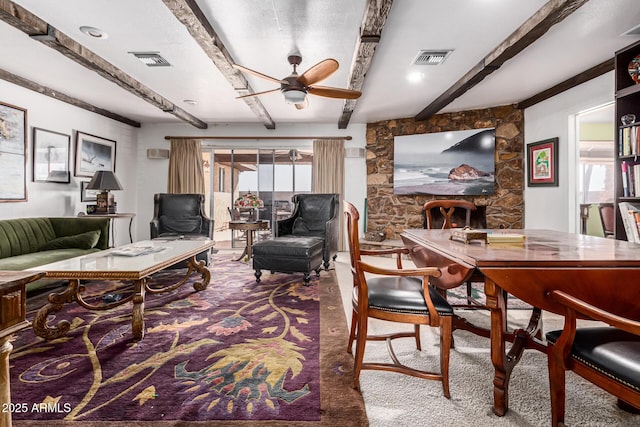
607, 356
402, 295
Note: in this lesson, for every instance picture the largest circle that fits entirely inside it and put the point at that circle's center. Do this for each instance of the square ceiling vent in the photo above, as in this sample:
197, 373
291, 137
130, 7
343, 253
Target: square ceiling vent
431, 57
151, 59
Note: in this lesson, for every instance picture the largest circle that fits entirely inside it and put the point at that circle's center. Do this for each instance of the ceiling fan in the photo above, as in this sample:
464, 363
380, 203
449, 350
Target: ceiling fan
295, 87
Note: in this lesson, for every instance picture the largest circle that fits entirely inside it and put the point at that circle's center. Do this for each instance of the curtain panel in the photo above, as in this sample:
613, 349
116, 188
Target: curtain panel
186, 173
328, 174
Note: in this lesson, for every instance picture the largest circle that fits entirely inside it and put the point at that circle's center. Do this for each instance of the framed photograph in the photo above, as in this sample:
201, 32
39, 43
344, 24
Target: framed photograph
94, 153
13, 153
51, 156
87, 195
542, 160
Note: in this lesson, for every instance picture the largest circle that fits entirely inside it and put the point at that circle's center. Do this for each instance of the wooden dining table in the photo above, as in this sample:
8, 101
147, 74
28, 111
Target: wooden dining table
595, 269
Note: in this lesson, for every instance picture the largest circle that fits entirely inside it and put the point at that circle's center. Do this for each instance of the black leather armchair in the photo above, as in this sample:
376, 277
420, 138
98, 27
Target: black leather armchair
314, 215
181, 215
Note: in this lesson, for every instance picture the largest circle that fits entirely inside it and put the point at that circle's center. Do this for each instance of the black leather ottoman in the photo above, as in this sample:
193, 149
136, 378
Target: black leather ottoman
288, 255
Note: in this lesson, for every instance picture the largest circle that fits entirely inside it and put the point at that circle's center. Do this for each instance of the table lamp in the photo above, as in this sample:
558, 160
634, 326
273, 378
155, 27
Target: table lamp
105, 181
249, 201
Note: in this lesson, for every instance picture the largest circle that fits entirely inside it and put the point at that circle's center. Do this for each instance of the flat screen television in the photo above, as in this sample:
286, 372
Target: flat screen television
445, 163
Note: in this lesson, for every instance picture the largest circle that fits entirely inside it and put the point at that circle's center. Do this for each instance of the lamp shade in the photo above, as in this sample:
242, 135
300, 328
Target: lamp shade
104, 180
248, 200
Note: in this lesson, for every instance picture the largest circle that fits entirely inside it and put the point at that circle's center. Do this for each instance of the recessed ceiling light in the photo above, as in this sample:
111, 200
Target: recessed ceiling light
189, 101
415, 77
94, 32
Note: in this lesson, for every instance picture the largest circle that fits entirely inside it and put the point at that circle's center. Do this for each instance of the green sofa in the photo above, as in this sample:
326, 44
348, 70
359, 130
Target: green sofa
30, 242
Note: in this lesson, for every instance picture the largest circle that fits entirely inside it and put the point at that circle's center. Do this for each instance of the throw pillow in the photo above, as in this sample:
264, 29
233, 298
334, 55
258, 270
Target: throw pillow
182, 225
85, 240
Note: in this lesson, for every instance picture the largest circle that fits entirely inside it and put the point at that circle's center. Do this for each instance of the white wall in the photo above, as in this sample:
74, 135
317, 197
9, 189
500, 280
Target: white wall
555, 208
57, 199
152, 174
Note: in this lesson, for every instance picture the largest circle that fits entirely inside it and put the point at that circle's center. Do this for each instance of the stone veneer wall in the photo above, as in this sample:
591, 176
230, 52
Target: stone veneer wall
392, 214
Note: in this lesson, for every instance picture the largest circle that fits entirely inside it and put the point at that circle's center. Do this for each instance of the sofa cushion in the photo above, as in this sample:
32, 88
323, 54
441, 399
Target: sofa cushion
85, 240
23, 262
181, 225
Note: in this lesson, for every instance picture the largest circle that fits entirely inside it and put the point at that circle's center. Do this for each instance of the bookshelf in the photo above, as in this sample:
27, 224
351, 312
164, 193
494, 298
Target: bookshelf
627, 163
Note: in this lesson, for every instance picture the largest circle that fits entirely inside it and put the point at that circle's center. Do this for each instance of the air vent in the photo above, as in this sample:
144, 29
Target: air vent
151, 59
431, 57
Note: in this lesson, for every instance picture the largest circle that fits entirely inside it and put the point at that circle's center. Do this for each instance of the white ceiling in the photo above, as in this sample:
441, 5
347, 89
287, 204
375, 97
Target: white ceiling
260, 34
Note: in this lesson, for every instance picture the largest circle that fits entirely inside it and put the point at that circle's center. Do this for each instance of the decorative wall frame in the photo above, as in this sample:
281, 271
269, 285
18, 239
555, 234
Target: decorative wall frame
51, 154
13, 153
542, 163
87, 195
94, 153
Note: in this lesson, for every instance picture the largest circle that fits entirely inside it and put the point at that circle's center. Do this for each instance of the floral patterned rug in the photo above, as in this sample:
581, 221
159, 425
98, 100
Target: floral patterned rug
239, 350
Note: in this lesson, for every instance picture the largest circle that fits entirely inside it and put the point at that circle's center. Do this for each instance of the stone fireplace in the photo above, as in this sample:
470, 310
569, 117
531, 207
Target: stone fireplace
392, 214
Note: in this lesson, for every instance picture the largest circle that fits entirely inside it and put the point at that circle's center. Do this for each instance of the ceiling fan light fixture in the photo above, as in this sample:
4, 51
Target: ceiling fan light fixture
294, 96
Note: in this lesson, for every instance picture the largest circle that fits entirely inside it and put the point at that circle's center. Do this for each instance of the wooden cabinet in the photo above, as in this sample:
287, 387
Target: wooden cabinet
627, 99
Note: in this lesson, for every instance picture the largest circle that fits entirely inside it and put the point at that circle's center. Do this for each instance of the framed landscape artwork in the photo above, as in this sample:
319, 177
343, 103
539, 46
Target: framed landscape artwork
13, 153
94, 153
51, 156
542, 161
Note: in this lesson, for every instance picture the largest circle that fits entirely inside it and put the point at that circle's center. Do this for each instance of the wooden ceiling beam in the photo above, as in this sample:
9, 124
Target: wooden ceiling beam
535, 27
41, 31
56, 94
375, 17
578, 79
191, 16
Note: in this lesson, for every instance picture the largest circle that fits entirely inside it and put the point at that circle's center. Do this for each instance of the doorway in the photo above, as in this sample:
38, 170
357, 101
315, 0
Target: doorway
596, 172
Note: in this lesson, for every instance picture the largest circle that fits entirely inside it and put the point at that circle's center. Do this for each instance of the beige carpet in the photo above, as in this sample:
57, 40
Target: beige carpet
394, 400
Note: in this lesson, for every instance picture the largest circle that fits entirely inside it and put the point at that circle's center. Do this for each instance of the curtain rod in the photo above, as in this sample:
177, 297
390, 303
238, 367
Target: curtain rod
348, 138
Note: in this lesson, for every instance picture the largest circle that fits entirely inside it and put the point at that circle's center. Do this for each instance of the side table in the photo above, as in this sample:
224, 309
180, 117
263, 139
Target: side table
112, 217
13, 312
250, 227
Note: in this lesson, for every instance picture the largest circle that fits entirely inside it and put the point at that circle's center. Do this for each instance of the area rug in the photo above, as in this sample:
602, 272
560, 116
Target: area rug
459, 296
238, 353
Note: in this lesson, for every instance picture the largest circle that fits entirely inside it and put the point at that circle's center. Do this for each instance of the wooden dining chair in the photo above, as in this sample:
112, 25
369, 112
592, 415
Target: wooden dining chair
607, 217
445, 219
394, 295
607, 356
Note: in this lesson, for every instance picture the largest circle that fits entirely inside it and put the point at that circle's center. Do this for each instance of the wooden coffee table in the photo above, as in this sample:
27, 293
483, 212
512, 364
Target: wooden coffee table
111, 264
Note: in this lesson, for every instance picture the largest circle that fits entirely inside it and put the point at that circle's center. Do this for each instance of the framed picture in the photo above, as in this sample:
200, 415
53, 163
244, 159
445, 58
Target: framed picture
51, 156
13, 153
94, 153
542, 160
87, 195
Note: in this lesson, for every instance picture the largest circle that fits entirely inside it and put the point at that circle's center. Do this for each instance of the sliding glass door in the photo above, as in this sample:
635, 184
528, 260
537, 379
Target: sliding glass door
274, 175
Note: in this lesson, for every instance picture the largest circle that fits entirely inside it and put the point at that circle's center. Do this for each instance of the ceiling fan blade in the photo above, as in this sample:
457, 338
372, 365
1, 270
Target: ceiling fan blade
258, 74
334, 92
319, 72
258, 93
304, 104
